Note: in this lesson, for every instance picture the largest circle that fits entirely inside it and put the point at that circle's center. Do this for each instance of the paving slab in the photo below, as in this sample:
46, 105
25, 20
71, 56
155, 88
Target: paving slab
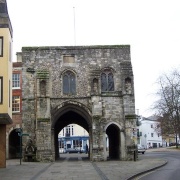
77, 167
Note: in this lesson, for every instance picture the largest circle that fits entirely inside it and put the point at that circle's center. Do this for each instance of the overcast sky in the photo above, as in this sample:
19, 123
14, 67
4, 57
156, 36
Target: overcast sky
150, 27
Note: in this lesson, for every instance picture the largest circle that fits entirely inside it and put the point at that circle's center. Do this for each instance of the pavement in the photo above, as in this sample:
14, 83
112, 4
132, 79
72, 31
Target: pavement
78, 167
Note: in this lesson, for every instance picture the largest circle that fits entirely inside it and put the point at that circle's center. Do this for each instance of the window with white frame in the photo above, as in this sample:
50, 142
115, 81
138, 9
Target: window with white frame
151, 125
1, 90
16, 104
152, 134
16, 81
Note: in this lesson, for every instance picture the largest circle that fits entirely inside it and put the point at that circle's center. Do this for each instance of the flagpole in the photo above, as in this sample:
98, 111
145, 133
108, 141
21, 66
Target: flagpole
74, 27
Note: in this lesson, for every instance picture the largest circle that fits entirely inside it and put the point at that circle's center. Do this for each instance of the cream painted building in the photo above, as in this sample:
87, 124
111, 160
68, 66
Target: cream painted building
5, 78
73, 130
73, 136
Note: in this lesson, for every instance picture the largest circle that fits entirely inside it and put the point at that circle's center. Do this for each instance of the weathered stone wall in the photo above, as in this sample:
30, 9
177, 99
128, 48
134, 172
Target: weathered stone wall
43, 68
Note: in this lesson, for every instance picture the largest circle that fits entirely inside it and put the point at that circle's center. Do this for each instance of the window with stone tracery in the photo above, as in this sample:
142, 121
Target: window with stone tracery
107, 81
69, 83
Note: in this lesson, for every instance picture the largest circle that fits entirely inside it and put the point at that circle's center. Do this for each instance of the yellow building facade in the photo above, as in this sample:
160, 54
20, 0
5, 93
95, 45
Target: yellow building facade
5, 78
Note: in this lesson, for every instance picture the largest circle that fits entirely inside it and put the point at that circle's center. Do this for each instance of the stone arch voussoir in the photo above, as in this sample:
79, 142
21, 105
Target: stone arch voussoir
75, 106
112, 123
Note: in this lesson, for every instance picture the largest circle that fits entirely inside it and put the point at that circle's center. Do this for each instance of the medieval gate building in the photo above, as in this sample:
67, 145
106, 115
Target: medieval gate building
91, 86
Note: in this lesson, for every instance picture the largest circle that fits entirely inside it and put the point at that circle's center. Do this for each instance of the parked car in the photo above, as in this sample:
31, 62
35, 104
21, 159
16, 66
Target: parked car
72, 150
172, 144
141, 149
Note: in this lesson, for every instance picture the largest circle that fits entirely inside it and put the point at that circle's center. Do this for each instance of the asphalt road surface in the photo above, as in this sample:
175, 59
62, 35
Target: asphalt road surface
171, 171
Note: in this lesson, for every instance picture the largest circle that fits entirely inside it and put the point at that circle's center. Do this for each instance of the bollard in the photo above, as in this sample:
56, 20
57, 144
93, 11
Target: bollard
134, 155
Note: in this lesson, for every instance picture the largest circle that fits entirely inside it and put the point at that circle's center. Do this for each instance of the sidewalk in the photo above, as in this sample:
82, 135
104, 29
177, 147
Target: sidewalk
77, 167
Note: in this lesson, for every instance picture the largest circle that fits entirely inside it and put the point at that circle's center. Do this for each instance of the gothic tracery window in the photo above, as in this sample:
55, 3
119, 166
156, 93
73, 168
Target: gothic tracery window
69, 83
107, 81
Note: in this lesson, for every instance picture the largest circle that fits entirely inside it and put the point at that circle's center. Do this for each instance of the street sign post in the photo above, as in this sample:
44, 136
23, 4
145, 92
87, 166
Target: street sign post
20, 134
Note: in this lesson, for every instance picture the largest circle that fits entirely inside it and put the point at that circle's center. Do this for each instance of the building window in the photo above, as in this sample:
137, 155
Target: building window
75, 143
1, 46
61, 144
16, 81
69, 83
107, 81
16, 104
152, 134
68, 131
1, 90
151, 125
72, 131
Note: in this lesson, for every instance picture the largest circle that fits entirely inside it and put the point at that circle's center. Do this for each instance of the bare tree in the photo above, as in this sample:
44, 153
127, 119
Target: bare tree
168, 104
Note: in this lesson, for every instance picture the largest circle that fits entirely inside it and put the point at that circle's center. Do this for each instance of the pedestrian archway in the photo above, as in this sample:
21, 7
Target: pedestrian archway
14, 145
113, 133
70, 114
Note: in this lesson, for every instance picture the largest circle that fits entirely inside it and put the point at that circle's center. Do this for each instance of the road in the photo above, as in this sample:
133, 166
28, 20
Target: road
171, 171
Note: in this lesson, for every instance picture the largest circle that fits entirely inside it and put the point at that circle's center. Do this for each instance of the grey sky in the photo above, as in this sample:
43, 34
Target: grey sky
151, 27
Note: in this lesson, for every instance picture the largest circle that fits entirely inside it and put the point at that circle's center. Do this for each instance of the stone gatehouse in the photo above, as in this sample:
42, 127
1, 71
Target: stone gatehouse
92, 86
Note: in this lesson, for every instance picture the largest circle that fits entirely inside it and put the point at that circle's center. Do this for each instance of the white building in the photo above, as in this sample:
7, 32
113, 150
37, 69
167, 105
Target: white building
73, 130
73, 136
148, 135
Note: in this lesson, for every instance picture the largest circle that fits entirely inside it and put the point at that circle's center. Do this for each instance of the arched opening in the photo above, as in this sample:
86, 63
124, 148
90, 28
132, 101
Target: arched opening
14, 145
73, 139
113, 133
66, 116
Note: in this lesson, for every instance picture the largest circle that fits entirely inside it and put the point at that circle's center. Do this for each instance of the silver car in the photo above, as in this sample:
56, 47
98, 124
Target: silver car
141, 149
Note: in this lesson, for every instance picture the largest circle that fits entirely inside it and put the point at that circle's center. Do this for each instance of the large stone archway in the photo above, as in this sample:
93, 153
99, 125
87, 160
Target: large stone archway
14, 145
67, 113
